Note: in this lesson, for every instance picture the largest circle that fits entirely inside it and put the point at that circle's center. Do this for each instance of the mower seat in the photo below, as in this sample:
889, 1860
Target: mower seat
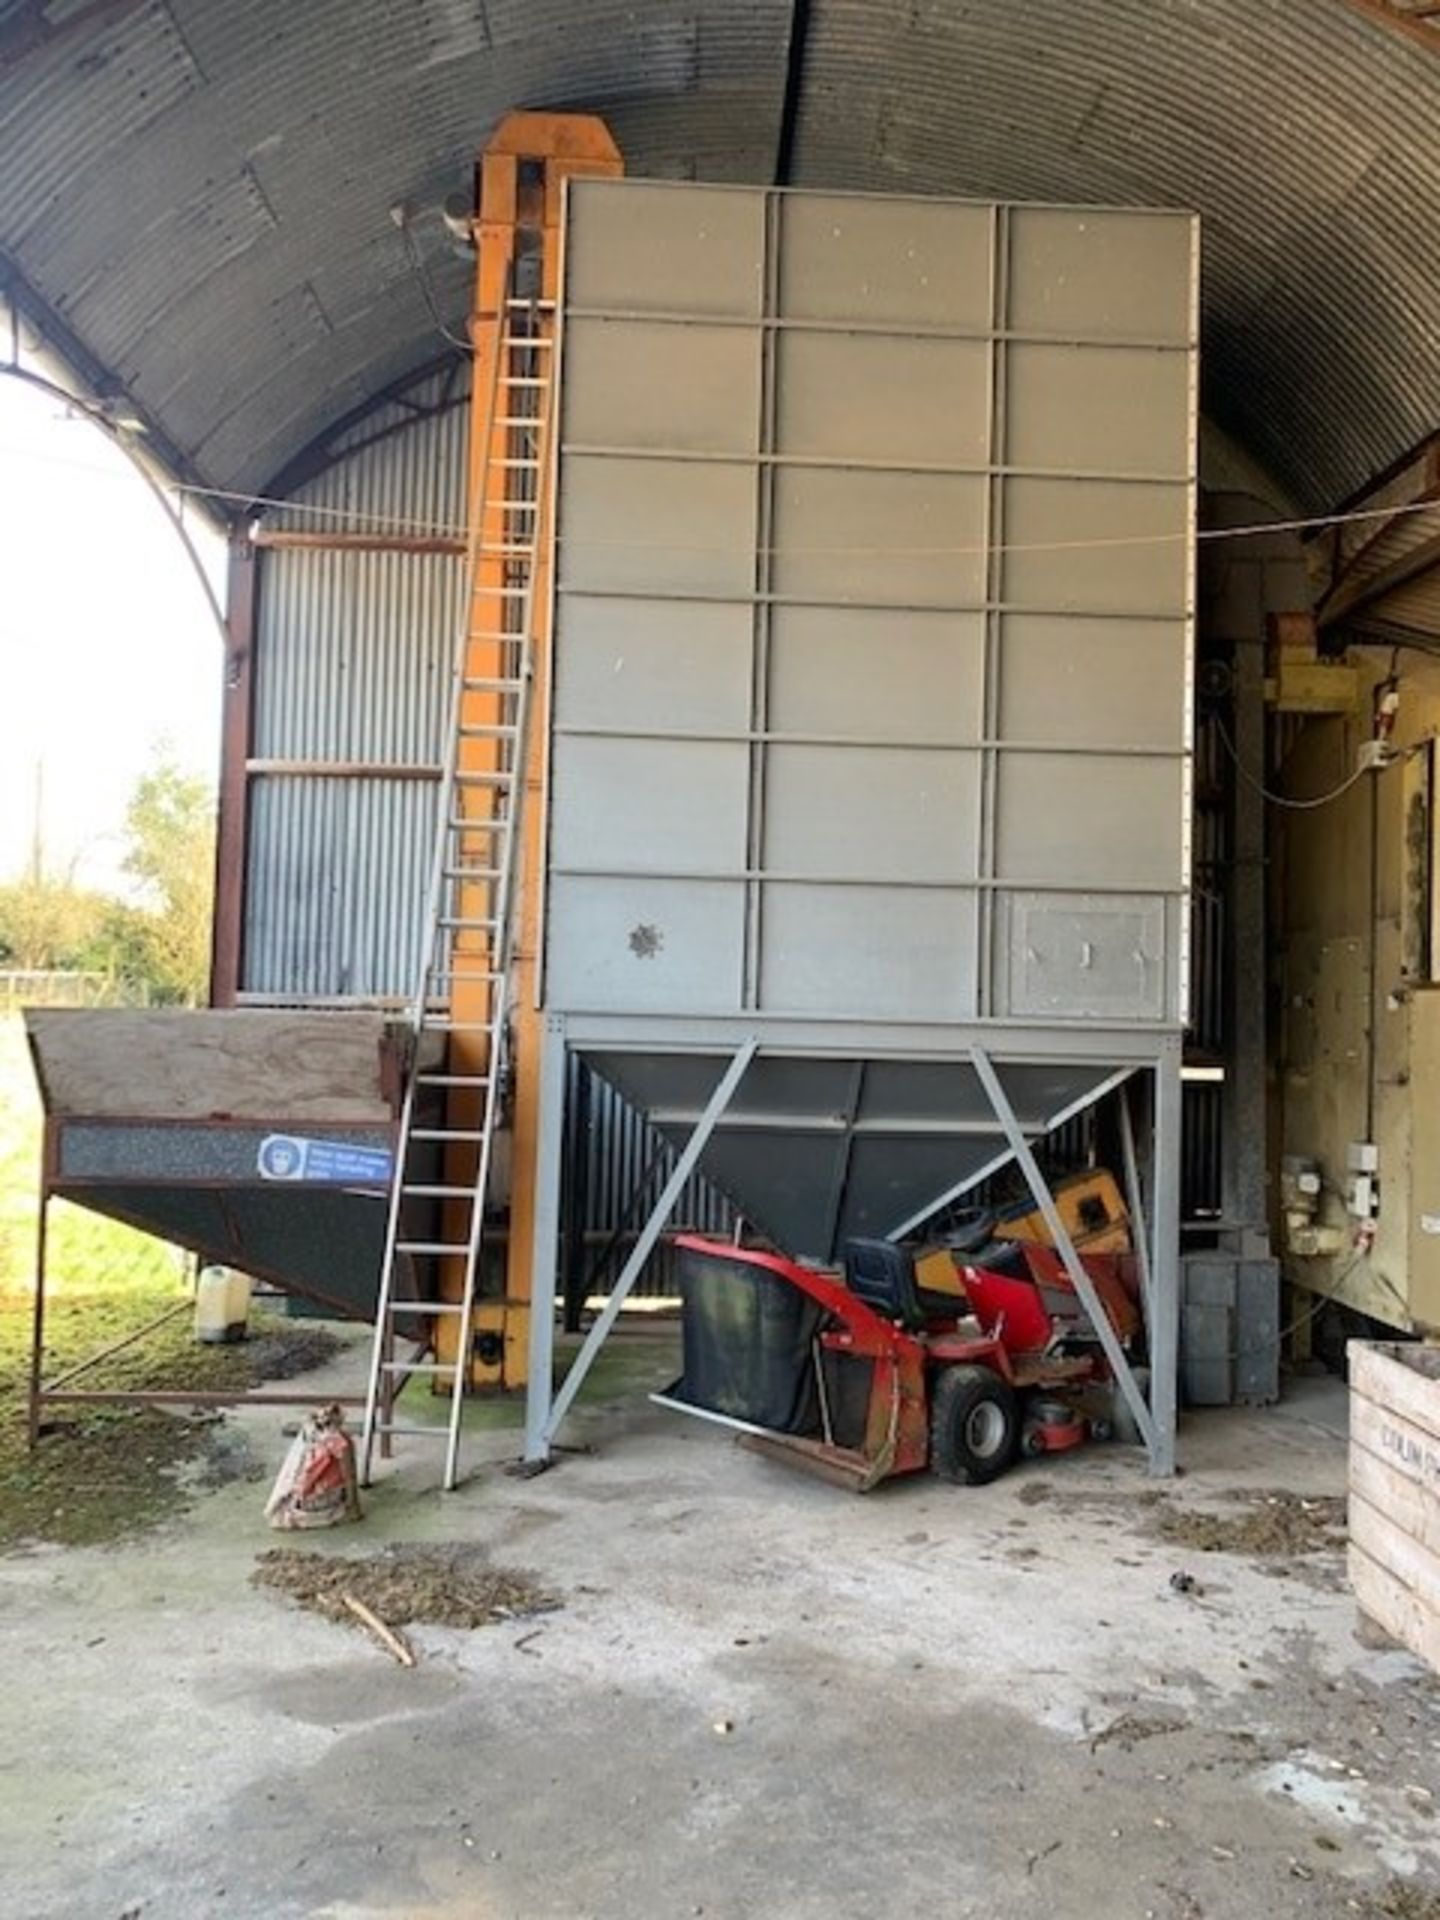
883, 1276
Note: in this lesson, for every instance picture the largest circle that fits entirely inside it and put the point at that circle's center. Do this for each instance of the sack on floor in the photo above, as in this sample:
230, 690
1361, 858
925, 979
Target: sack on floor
316, 1485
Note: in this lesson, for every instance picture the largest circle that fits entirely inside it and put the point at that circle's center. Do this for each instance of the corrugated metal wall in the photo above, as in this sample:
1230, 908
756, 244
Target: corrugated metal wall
353, 655
617, 1165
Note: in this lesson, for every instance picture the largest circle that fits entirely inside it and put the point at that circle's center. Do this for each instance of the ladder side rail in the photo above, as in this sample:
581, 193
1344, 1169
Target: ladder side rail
426, 964
503, 905
475, 553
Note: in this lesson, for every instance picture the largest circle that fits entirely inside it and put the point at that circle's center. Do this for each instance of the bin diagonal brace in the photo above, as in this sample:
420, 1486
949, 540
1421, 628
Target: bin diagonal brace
1065, 1247
719, 1100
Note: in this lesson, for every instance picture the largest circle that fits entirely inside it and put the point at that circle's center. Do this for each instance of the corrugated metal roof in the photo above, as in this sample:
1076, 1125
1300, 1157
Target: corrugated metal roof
201, 192
1304, 136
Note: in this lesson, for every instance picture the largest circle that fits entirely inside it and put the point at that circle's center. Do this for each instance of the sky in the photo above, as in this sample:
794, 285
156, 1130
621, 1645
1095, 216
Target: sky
109, 654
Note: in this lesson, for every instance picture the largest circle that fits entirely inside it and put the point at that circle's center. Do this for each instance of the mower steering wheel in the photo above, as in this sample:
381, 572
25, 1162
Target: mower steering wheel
971, 1234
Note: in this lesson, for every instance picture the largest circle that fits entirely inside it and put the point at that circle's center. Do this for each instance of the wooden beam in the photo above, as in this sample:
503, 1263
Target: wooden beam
1350, 599
1409, 22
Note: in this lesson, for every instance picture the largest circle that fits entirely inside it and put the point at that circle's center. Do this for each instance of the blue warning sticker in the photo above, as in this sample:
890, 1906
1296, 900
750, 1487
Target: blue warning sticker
339, 1163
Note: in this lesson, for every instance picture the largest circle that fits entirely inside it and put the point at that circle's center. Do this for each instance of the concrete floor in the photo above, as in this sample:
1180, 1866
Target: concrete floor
764, 1697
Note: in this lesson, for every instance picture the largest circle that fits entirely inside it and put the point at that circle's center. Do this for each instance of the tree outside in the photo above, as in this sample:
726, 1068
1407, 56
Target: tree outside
155, 946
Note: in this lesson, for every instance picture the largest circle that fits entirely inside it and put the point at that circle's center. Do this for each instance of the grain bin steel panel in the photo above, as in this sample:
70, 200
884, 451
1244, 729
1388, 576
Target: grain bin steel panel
874, 610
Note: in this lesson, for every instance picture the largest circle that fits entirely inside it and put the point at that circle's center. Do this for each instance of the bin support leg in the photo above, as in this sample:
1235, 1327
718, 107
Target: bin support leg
644, 1245
1065, 1247
1165, 1261
545, 1246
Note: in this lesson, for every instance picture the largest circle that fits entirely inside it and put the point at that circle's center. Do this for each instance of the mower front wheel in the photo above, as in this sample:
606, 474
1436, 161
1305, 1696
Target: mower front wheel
974, 1425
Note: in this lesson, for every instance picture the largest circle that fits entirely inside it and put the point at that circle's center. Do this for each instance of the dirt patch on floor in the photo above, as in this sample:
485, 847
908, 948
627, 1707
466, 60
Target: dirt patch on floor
1262, 1524
283, 1352
101, 1472
443, 1586
1132, 1728
1402, 1901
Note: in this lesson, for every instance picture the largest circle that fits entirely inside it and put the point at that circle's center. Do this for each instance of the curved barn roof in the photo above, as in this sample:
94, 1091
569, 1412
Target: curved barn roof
195, 194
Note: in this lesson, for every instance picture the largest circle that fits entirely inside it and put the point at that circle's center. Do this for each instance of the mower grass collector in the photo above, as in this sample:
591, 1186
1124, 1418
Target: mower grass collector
874, 1375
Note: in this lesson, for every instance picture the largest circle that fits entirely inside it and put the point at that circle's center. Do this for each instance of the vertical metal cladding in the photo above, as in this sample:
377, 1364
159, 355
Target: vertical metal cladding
621, 1149
353, 655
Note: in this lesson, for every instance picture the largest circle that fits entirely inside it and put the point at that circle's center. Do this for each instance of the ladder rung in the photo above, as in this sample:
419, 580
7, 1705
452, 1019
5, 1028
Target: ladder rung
479, 822
417, 1366
490, 683
446, 1133
501, 777
423, 1433
471, 873
443, 1024
519, 506
479, 973
458, 923
428, 1246
490, 730
453, 1079
516, 420
399, 1308
512, 463
523, 379
439, 1193
501, 593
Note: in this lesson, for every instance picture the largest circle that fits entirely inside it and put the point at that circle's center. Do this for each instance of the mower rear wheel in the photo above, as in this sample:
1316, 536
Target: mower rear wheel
974, 1425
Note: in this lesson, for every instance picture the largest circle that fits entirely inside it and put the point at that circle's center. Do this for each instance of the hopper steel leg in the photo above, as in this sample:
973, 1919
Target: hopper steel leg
1159, 1447
1165, 1259
545, 1248
544, 1414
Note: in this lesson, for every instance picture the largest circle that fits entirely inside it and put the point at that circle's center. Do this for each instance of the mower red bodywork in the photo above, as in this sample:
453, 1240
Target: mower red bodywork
1019, 1326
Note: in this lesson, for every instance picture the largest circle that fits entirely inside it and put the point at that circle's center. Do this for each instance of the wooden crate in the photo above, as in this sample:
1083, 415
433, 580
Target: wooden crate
1395, 1490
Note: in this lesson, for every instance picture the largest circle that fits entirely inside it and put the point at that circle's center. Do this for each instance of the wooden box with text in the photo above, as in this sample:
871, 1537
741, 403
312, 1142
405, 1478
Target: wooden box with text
1395, 1490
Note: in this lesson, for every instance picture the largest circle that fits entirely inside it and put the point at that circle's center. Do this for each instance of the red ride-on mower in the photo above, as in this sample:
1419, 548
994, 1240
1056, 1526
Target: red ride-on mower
872, 1376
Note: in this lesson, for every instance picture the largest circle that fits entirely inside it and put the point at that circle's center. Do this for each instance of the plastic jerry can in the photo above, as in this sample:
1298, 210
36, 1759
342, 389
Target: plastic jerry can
222, 1305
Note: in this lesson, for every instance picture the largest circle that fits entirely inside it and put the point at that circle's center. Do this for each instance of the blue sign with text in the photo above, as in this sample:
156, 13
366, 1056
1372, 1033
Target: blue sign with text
338, 1163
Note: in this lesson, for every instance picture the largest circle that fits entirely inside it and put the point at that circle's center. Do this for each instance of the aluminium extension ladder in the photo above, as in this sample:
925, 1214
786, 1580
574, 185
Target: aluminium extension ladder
471, 906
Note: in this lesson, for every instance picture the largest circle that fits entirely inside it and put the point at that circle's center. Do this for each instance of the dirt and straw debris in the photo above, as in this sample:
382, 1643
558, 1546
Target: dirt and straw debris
1402, 1900
436, 1585
102, 1472
1265, 1524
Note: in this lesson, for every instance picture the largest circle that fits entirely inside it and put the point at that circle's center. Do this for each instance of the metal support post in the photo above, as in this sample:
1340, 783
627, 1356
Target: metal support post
545, 1250
37, 1331
644, 1245
1065, 1247
1135, 1200
1165, 1260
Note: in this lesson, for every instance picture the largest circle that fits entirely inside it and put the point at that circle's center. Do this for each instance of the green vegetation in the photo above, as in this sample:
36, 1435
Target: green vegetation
86, 1252
102, 1471
156, 948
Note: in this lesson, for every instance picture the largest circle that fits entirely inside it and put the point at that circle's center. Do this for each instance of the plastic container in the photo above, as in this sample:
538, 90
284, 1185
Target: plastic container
222, 1305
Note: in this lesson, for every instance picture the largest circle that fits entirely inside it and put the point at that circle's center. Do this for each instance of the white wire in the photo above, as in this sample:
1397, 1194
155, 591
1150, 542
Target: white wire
1285, 799
381, 525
